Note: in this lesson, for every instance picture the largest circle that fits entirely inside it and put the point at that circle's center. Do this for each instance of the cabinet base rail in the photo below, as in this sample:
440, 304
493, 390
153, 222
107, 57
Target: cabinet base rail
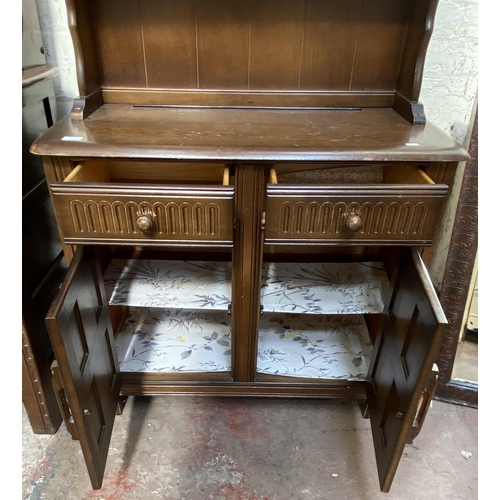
356, 391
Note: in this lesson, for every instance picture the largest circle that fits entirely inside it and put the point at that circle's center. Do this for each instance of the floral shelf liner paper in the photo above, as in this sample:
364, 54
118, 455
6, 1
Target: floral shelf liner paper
182, 340
163, 283
326, 288
174, 340
327, 347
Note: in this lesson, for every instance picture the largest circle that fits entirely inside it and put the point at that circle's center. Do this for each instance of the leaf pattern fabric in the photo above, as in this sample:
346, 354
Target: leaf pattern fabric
312, 325
174, 340
314, 346
163, 283
326, 288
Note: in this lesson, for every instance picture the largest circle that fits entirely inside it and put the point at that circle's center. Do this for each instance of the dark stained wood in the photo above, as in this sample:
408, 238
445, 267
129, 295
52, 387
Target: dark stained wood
329, 44
379, 44
87, 66
247, 270
85, 106
276, 40
56, 170
37, 395
424, 405
119, 40
62, 401
388, 214
223, 44
82, 336
136, 384
250, 98
42, 259
170, 44
332, 253
402, 360
249, 135
113, 214
265, 45
417, 39
411, 111
458, 392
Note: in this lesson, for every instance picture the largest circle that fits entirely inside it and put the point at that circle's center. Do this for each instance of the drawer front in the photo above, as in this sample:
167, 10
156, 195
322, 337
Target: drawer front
351, 215
144, 215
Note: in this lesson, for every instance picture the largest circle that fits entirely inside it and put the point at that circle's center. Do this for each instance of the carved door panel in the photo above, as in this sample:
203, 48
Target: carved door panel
81, 333
402, 362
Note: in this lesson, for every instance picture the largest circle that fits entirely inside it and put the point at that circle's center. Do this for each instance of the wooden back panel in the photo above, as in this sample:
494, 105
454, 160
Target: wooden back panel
259, 52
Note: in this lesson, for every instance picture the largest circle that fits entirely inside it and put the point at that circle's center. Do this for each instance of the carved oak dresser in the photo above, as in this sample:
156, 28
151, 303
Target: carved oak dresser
247, 193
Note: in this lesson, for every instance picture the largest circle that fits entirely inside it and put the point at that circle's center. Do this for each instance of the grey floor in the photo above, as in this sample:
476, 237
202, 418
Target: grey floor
197, 448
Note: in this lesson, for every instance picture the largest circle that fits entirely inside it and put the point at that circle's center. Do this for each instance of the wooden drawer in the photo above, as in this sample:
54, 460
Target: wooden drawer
399, 204
146, 203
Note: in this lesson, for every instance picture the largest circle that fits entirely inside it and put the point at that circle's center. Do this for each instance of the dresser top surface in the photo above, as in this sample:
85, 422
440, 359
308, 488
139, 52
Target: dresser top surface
252, 135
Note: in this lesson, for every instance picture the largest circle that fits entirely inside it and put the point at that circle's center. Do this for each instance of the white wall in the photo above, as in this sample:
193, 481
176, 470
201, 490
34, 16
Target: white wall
59, 51
450, 80
449, 95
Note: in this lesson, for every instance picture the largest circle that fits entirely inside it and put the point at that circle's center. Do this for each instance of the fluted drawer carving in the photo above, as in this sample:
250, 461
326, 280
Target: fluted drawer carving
117, 217
295, 217
204, 217
328, 218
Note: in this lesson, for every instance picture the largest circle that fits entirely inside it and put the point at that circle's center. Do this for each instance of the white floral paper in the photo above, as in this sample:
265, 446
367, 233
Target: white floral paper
315, 346
163, 283
313, 326
326, 288
175, 340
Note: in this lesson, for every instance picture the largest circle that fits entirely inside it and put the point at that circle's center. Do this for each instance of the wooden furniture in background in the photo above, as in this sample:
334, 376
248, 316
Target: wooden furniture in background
43, 263
195, 137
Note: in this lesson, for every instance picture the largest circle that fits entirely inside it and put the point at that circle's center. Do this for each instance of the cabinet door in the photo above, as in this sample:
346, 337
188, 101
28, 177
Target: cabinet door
81, 333
402, 361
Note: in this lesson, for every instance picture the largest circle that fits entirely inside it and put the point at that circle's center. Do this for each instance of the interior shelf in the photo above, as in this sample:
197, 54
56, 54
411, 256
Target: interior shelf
326, 288
314, 346
174, 340
172, 284
312, 324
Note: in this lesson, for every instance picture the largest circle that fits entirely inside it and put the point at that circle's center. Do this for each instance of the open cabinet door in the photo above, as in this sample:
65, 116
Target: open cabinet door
81, 333
402, 362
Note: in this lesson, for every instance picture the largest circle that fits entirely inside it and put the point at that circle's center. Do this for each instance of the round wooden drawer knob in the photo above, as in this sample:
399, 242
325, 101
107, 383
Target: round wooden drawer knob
353, 222
145, 223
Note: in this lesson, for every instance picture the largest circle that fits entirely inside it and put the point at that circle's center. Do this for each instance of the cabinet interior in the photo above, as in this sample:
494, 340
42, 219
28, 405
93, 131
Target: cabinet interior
331, 174
144, 172
176, 316
157, 172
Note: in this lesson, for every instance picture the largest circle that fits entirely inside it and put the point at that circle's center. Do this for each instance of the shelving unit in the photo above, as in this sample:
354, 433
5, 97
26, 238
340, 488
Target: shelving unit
314, 346
178, 318
171, 284
163, 340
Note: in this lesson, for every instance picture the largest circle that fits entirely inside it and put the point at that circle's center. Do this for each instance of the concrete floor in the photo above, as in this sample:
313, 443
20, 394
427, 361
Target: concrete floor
197, 448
